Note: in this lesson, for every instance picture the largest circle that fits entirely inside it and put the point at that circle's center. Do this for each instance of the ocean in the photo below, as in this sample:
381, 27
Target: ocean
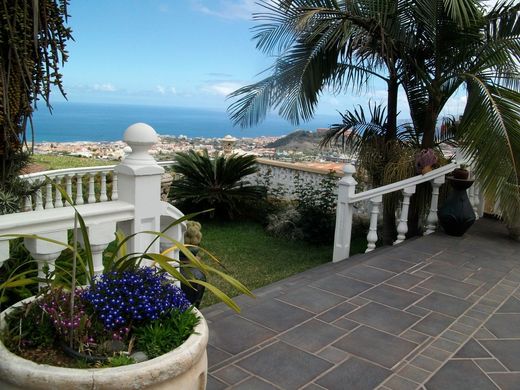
107, 122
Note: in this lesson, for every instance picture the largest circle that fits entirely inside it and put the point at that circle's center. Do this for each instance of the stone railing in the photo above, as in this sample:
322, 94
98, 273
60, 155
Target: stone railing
347, 197
131, 205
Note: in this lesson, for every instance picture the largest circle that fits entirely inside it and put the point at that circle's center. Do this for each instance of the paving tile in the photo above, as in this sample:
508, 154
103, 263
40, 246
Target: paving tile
471, 350
477, 314
418, 311
254, 383
336, 312
420, 290
216, 355
413, 373
506, 351
354, 374
444, 304
405, 281
244, 336
313, 386
454, 336
512, 305
504, 325
389, 264
460, 374
448, 286
367, 274
435, 353
433, 324
215, 384
509, 381
484, 334
396, 382
391, 296
345, 323
231, 374
276, 315
426, 363
490, 365
358, 301
408, 254
341, 285
469, 322
445, 345
312, 335
376, 346
448, 270
285, 365
489, 275
414, 337
333, 355
383, 318
311, 299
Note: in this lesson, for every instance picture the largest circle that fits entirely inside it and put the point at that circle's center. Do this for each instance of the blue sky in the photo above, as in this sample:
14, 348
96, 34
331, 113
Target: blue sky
189, 53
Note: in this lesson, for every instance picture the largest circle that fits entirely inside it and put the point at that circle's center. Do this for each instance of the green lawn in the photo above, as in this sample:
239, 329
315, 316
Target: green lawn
257, 259
51, 162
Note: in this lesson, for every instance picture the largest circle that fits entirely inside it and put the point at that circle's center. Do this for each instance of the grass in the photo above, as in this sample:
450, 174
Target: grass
257, 259
51, 162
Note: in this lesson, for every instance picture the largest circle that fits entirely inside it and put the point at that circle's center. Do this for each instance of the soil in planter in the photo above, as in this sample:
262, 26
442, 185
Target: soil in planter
51, 356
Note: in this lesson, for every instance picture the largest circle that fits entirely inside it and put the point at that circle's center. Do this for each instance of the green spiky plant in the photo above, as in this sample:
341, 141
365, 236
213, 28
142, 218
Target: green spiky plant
218, 183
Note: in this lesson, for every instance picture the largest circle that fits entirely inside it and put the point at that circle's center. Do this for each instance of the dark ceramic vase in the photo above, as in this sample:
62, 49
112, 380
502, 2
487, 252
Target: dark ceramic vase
456, 215
195, 294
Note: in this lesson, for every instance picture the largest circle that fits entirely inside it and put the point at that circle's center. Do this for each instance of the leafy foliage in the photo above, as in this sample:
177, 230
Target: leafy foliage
217, 183
169, 332
33, 37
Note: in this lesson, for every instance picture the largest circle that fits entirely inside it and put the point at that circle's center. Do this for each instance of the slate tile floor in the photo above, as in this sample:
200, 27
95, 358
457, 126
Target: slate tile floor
434, 313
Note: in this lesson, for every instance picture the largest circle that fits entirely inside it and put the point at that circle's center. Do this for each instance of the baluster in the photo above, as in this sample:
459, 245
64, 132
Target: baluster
115, 195
48, 196
68, 185
476, 200
39, 200
402, 227
103, 195
431, 221
79, 189
28, 203
91, 189
344, 212
372, 231
58, 200
45, 252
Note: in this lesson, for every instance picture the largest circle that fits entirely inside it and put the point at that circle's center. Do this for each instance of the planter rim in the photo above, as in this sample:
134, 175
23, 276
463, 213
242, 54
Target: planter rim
16, 369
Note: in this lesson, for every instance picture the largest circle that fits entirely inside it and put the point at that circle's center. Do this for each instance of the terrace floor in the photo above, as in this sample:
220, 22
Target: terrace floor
436, 313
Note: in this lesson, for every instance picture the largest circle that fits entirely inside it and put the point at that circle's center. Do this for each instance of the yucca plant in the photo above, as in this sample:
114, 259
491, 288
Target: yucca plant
218, 183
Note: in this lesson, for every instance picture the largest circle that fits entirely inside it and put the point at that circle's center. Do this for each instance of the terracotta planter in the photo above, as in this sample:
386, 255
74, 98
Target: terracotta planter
183, 368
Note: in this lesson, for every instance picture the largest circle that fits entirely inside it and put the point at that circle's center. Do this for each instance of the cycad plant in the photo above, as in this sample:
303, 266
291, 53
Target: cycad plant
218, 183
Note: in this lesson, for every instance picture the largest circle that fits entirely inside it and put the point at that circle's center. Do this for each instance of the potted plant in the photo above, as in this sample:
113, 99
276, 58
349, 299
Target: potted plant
425, 160
130, 326
461, 173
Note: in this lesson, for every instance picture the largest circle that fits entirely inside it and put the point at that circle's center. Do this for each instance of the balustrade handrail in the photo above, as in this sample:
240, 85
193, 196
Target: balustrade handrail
68, 171
399, 185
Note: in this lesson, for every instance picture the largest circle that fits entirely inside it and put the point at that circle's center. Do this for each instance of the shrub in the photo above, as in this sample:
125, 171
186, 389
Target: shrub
214, 183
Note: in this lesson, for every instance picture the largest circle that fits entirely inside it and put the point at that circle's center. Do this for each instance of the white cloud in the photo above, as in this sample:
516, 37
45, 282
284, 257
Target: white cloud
222, 88
107, 87
228, 9
163, 90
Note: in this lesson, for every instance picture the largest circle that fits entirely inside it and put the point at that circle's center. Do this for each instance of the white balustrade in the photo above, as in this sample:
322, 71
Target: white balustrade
372, 230
347, 197
134, 205
402, 227
432, 219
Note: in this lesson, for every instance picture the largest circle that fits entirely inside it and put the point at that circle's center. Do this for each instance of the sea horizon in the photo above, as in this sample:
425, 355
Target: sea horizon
102, 122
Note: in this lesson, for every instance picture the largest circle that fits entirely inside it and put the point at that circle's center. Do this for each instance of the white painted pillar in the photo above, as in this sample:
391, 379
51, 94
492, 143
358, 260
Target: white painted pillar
372, 230
45, 252
100, 235
4, 250
344, 211
139, 183
431, 220
402, 227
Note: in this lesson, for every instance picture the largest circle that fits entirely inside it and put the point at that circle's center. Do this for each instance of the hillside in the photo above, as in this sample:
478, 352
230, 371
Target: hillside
297, 140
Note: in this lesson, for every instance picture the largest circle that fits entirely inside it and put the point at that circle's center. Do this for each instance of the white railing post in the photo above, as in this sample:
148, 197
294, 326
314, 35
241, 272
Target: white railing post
103, 195
344, 211
115, 195
140, 184
372, 230
45, 252
100, 235
58, 199
402, 227
79, 189
431, 221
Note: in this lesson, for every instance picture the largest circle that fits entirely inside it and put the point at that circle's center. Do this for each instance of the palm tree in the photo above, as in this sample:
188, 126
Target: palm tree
432, 47
217, 183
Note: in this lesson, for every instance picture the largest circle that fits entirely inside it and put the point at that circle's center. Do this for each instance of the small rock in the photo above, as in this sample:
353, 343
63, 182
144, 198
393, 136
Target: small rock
114, 346
139, 356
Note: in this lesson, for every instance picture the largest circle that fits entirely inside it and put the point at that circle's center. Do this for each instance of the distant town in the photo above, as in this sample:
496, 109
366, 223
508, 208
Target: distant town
300, 146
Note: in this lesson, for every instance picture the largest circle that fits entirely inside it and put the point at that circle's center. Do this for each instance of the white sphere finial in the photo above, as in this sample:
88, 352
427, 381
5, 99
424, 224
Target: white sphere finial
349, 169
140, 133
